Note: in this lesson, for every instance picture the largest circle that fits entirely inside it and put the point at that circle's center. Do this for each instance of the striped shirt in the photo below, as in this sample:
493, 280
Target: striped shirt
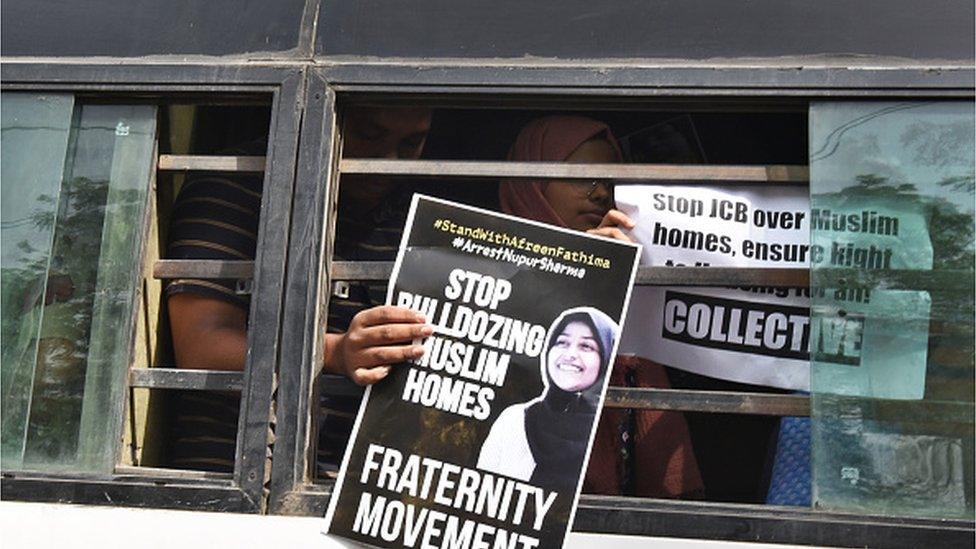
205, 425
214, 217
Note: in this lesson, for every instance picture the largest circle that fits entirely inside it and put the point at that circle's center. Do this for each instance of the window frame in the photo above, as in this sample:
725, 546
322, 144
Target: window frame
311, 269
242, 491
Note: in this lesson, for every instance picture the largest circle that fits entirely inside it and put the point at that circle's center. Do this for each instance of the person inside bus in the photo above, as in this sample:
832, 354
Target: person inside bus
648, 452
216, 217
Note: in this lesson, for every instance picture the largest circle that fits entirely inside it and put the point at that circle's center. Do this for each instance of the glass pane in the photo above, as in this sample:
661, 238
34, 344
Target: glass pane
86, 322
33, 141
892, 331
130, 144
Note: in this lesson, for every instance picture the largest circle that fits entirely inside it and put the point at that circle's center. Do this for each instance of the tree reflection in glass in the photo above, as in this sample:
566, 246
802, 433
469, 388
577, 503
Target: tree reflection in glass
68, 296
893, 432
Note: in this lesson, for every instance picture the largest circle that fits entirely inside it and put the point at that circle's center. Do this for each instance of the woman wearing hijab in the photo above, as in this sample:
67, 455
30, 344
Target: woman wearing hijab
544, 441
625, 458
576, 204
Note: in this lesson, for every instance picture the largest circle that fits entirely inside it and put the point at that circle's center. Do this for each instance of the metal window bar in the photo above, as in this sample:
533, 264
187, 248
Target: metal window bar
210, 163
678, 400
708, 401
199, 380
704, 401
730, 276
659, 173
185, 379
206, 269
667, 399
646, 276
172, 476
717, 402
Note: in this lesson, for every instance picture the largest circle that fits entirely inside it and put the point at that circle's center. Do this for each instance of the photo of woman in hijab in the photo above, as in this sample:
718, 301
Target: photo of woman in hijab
544, 441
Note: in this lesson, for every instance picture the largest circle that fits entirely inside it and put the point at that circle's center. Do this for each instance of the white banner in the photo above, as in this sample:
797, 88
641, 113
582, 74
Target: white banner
750, 335
865, 341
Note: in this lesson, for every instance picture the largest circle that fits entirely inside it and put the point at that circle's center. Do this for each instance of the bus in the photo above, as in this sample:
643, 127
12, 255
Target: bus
113, 111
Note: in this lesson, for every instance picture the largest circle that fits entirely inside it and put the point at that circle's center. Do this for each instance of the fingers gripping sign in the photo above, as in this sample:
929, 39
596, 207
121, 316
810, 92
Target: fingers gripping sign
377, 339
612, 224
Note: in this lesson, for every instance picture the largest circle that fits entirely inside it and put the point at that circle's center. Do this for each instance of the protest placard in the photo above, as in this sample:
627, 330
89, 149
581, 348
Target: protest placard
760, 335
482, 441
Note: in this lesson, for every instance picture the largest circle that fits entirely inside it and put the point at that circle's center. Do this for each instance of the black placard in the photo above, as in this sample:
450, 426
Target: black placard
462, 448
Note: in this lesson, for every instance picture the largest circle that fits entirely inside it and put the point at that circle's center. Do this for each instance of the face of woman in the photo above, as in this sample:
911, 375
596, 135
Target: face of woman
579, 203
574, 359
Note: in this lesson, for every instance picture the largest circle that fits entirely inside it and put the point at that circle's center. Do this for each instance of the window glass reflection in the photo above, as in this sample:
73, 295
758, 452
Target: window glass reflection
892, 309
74, 329
33, 142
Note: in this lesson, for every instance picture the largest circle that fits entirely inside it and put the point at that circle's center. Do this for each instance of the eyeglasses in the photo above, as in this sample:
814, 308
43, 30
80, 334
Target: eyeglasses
587, 188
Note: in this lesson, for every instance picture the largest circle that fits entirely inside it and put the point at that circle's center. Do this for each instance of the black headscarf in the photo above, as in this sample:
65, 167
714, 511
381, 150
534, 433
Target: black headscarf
558, 424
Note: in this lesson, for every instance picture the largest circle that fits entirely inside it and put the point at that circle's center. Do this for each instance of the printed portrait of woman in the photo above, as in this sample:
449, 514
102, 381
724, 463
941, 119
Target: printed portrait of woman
543, 441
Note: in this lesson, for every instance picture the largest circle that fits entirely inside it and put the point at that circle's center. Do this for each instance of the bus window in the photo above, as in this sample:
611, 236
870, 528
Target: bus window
719, 457
75, 182
195, 320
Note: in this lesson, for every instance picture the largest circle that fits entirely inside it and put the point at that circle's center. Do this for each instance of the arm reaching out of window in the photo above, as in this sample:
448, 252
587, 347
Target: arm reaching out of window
212, 334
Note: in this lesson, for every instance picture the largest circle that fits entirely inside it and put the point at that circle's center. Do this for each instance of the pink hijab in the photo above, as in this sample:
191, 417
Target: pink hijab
549, 139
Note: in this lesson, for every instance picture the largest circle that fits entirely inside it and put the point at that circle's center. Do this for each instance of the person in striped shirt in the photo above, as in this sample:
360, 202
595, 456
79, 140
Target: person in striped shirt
216, 217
